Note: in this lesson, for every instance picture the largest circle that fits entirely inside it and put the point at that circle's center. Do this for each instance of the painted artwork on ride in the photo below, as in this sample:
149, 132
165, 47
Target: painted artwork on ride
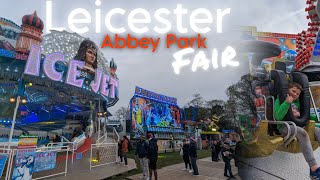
87, 52
151, 113
9, 34
260, 62
27, 141
315, 92
45, 161
24, 164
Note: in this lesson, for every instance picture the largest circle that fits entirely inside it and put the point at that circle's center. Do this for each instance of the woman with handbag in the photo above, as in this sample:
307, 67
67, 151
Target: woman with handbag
185, 155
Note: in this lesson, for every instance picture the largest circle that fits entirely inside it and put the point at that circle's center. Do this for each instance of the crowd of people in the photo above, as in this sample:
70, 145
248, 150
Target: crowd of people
220, 149
189, 154
146, 150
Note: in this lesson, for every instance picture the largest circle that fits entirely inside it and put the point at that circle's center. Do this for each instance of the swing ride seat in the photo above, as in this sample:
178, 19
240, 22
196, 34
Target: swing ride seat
281, 88
265, 144
294, 147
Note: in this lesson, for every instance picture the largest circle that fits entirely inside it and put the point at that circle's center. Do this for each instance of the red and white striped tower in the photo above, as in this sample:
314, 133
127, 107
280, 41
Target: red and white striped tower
32, 27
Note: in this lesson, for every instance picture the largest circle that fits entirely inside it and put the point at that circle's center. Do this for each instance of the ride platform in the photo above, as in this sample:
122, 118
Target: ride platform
280, 165
79, 170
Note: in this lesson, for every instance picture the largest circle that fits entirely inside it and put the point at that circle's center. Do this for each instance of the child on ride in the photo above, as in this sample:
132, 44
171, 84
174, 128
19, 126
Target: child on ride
292, 101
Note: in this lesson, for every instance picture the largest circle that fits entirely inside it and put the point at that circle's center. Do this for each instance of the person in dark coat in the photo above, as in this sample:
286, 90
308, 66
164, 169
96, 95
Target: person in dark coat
120, 151
237, 150
152, 156
227, 154
218, 149
186, 158
56, 138
142, 152
214, 155
193, 156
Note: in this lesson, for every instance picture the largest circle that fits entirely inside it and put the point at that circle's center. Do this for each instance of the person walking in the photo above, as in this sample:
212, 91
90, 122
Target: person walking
186, 158
120, 151
227, 153
214, 155
218, 149
171, 142
193, 156
237, 150
142, 152
152, 156
125, 149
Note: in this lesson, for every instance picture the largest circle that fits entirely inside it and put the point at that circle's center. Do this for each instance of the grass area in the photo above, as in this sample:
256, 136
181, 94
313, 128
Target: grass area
164, 159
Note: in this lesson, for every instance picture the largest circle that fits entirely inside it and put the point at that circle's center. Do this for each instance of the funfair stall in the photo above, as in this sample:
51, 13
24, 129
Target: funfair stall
157, 114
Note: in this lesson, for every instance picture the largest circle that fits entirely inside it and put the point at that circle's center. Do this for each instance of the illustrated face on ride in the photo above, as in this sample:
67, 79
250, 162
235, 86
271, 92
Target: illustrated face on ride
294, 92
90, 58
87, 52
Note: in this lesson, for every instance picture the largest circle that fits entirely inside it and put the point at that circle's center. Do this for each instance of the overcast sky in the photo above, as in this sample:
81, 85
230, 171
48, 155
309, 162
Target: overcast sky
153, 71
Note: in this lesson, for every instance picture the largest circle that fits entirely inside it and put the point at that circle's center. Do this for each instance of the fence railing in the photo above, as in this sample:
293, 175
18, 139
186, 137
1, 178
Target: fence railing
103, 154
72, 146
116, 137
61, 164
8, 154
102, 139
64, 139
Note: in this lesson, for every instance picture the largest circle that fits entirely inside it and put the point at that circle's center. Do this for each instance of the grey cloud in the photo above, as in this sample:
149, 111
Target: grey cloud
153, 71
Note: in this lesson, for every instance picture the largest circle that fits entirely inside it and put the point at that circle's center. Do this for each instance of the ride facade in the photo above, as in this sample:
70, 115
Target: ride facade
158, 114
295, 58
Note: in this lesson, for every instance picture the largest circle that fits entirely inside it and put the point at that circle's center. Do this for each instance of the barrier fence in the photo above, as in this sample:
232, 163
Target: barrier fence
103, 154
116, 135
59, 167
5, 160
61, 163
100, 154
73, 146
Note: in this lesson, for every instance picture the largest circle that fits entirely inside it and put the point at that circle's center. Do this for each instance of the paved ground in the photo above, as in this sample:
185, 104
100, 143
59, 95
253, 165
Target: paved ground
208, 171
280, 165
80, 171
248, 172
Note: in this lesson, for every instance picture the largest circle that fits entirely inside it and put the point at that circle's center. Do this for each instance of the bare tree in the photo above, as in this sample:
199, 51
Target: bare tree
122, 113
197, 104
197, 101
216, 107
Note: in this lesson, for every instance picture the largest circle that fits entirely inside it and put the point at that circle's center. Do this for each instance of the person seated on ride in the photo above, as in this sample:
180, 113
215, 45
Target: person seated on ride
281, 109
56, 138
